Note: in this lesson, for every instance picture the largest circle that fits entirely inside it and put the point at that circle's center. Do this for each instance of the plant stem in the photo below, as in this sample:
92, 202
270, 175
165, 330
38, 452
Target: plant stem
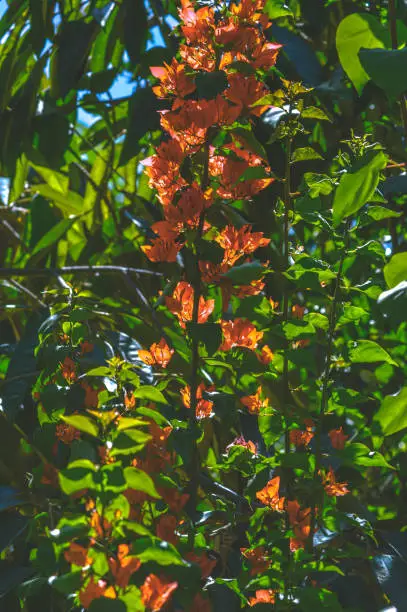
326, 379
196, 284
286, 295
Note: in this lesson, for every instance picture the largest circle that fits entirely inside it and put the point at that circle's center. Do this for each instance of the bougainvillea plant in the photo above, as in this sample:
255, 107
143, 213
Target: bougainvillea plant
244, 446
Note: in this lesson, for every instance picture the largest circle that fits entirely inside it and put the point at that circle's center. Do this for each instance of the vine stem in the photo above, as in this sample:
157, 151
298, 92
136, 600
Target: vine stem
286, 294
326, 377
196, 285
394, 44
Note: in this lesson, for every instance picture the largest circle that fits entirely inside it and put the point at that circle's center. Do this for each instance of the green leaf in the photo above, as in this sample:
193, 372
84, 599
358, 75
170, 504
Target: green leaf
157, 551
140, 481
319, 184
357, 186
100, 371
367, 351
83, 423
392, 414
135, 27
245, 273
395, 271
358, 454
77, 476
277, 8
305, 153
68, 583
74, 41
149, 393
314, 112
386, 68
69, 204
210, 334
297, 329
56, 180
378, 213
354, 32
53, 235
128, 423
130, 442
211, 84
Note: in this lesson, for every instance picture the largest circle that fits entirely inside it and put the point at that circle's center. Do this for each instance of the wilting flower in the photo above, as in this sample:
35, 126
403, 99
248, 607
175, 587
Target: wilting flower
257, 559
298, 311
269, 495
265, 596
181, 304
203, 406
91, 395
300, 521
239, 332
255, 403
338, 438
240, 441
155, 592
68, 370
66, 433
174, 80
159, 354
333, 488
123, 566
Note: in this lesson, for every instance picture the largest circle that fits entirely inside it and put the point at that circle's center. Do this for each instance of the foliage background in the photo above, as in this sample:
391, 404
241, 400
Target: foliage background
76, 208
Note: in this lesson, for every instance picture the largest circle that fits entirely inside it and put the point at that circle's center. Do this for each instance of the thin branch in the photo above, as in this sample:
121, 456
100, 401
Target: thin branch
286, 295
28, 292
25, 272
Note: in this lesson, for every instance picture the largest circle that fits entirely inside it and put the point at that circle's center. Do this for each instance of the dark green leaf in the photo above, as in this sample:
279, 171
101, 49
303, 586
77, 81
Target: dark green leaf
392, 414
387, 68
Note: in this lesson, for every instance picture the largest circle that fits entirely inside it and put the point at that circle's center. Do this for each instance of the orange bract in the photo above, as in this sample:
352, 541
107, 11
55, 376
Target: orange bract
245, 91
159, 354
203, 406
239, 332
155, 592
174, 80
123, 566
187, 211
77, 555
266, 355
68, 370
257, 559
240, 441
269, 496
95, 590
181, 304
66, 433
333, 488
300, 520
254, 403
239, 242
202, 559
338, 438
162, 250
265, 596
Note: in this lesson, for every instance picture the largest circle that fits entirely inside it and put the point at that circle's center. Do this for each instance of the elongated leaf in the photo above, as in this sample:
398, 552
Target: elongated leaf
152, 394
82, 423
395, 271
140, 481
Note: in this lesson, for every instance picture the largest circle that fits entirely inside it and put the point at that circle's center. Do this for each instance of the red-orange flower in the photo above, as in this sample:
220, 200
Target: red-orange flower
334, 488
159, 354
244, 91
163, 170
181, 304
166, 526
239, 242
204, 561
123, 566
264, 596
91, 395
174, 80
266, 355
239, 332
300, 520
298, 311
230, 172
188, 209
161, 250
78, 555
255, 403
95, 590
338, 438
68, 370
257, 559
155, 592
269, 495
300, 437
203, 406
86, 347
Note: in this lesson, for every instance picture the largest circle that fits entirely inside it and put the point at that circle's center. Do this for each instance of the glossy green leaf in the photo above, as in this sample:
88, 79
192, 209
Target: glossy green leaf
395, 271
386, 68
151, 394
140, 481
357, 187
82, 423
392, 414
77, 476
367, 351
